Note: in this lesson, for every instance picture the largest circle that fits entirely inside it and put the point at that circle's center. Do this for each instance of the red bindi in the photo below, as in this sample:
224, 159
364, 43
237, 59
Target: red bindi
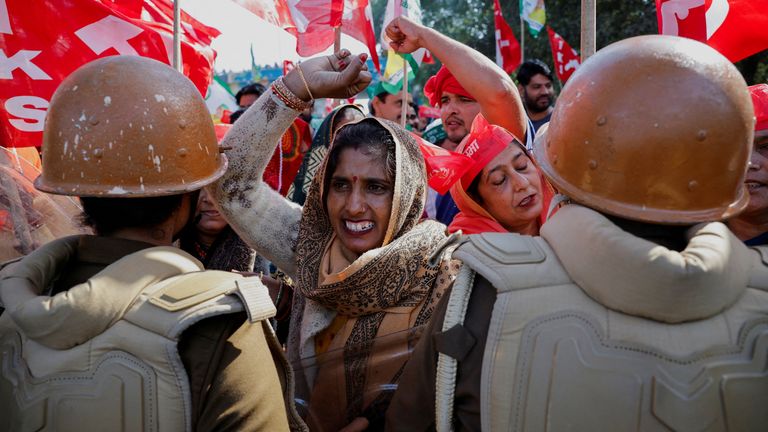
354, 179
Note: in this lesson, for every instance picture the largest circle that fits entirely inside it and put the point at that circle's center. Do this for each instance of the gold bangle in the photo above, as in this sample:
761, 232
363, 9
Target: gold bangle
306, 86
287, 97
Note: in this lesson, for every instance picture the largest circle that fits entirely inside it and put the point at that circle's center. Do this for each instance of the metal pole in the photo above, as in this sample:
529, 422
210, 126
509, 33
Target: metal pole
522, 39
336, 39
177, 63
404, 108
588, 28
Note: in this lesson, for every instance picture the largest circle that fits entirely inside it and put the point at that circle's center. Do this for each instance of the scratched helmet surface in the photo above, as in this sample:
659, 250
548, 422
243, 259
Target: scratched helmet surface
128, 126
652, 128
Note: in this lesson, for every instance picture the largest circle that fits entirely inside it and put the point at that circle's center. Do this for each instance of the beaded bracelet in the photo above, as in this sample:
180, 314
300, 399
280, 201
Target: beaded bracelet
288, 97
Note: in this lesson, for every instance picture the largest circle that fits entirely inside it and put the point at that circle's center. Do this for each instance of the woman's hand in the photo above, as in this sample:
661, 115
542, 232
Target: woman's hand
341, 75
405, 35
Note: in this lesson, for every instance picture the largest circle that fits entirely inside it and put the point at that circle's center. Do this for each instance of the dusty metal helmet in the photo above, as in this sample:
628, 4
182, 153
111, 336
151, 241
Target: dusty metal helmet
128, 126
652, 128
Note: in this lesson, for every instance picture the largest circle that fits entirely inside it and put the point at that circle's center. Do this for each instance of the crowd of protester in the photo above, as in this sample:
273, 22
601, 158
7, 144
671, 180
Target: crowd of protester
599, 263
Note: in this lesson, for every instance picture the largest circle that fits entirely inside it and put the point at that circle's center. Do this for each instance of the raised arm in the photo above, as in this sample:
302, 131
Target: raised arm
488, 83
263, 218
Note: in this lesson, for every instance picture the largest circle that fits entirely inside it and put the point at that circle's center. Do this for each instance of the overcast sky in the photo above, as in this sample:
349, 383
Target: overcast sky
240, 28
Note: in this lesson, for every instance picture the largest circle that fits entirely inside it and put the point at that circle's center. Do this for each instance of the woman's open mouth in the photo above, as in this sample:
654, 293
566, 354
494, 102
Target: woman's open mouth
528, 201
358, 228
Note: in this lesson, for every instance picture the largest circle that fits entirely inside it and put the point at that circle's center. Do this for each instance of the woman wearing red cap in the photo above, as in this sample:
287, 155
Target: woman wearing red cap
504, 191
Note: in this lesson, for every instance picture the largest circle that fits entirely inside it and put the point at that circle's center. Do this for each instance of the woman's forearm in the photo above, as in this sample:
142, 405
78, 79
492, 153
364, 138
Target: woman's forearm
263, 218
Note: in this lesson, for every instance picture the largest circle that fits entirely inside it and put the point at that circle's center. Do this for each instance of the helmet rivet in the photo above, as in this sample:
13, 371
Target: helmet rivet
692, 185
593, 164
701, 135
182, 124
98, 153
602, 120
182, 152
554, 159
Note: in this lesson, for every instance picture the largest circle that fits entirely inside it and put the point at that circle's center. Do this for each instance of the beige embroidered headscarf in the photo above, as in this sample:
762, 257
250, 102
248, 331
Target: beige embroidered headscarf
384, 294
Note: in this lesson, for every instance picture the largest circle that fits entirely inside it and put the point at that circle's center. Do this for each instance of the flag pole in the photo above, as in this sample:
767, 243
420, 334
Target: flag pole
588, 24
177, 64
336, 39
404, 108
522, 39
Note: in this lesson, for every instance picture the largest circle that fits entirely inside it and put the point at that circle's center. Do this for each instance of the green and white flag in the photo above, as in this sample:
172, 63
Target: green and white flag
218, 99
534, 13
392, 78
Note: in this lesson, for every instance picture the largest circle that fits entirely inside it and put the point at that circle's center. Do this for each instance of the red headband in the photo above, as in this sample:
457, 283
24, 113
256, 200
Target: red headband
483, 143
443, 81
759, 94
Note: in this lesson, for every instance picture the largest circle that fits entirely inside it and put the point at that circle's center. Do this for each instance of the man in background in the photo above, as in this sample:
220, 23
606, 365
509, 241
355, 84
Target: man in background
535, 85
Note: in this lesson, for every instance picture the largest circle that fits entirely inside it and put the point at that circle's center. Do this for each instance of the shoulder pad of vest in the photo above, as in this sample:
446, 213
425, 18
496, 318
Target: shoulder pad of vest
502, 248
191, 289
499, 256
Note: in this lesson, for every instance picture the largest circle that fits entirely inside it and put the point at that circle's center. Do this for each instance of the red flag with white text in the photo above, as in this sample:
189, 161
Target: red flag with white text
566, 59
736, 28
41, 43
507, 47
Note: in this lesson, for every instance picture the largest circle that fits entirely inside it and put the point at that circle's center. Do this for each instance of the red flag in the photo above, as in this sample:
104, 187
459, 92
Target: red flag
358, 23
162, 11
507, 47
41, 43
313, 22
444, 167
429, 112
566, 58
736, 28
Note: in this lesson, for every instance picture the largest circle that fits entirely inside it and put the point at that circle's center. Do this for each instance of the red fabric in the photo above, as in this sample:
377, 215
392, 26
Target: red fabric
444, 167
46, 41
507, 48
221, 130
429, 112
736, 28
484, 142
358, 23
313, 22
293, 144
759, 94
287, 66
443, 81
162, 11
566, 59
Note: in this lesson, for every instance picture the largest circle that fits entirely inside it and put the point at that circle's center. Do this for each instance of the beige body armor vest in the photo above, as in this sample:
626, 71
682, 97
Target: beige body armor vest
596, 329
103, 355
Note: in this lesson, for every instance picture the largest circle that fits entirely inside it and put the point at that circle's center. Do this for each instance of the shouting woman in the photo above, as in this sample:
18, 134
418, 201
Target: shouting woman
368, 271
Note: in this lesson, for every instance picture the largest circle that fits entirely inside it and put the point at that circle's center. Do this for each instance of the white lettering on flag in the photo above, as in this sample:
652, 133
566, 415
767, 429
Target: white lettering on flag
110, 32
21, 60
675, 10
27, 108
715, 15
5, 19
